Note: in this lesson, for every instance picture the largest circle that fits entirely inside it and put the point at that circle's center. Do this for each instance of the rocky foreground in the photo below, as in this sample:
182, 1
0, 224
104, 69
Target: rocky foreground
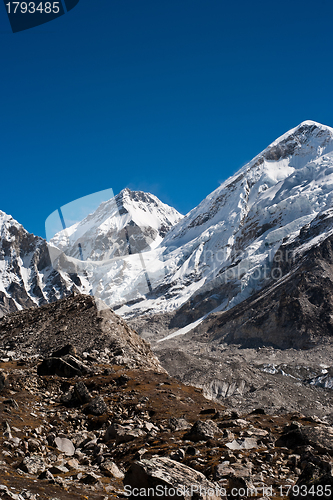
88, 412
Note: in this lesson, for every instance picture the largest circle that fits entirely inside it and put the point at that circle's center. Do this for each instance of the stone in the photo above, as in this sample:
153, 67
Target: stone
96, 407
46, 475
90, 478
81, 393
9, 494
242, 444
202, 431
15, 440
57, 366
178, 424
150, 427
110, 469
239, 422
58, 469
227, 471
65, 446
33, 464
3, 380
73, 464
7, 431
50, 438
178, 455
320, 437
122, 434
164, 473
34, 445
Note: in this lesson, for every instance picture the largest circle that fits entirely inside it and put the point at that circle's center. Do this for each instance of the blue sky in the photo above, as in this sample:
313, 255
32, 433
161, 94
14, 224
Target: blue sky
166, 96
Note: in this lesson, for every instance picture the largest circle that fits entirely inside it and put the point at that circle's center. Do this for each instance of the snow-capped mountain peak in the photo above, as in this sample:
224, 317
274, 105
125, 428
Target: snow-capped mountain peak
219, 253
27, 277
131, 222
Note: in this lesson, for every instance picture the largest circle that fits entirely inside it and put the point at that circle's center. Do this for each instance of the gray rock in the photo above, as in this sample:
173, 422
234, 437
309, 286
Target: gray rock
242, 444
122, 434
202, 431
33, 464
96, 407
90, 478
34, 445
9, 494
320, 437
65, 446
166, 473
110, 469
178, 424
7, 431
227, 471
81, 393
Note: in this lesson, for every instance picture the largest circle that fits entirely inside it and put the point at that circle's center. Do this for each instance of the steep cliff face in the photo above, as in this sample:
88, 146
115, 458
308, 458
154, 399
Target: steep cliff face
27, 277
294, 311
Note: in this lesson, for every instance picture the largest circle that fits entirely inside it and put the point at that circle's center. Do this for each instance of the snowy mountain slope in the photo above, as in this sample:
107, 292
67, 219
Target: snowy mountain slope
27, 278
217, 255
144, 259
131, 222
223, 250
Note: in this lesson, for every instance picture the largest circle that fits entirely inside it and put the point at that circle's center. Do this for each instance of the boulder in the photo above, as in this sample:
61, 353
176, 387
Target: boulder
60, 367
33, 464
295, 435
122, 434
81, 393
96, 407
202, 431
65, 446
168, 479
110, 469
178, 424
312, 487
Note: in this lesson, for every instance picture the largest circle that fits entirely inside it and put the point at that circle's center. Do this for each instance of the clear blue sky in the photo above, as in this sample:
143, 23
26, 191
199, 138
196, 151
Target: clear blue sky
167, 96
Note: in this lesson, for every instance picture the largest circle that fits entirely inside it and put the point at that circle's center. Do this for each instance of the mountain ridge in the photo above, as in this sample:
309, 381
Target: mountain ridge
145, 259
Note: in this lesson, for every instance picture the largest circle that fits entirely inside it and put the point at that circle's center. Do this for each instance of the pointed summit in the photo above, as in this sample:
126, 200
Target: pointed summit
309, 139
129, 223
